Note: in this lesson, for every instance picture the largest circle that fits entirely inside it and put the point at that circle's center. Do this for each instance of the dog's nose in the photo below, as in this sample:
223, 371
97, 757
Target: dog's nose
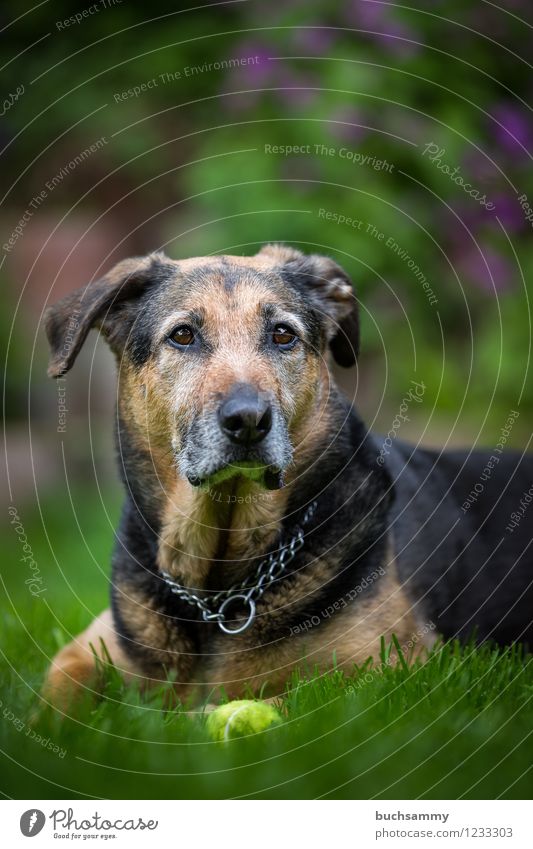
245, 417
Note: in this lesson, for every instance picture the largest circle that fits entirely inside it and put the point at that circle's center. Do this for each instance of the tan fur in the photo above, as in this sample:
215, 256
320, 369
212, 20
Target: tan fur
270, 256
194, 523
73, 672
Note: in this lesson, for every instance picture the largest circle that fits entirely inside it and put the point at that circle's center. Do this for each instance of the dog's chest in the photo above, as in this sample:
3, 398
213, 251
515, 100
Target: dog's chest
264, 658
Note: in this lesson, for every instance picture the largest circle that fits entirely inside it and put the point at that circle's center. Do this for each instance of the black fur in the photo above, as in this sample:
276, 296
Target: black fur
468, 573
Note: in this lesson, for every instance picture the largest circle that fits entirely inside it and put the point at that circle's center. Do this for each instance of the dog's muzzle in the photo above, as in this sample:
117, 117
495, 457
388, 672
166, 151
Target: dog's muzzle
246, 435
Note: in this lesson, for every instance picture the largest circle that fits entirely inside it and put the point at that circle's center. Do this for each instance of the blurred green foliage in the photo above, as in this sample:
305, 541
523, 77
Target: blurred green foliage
185, 165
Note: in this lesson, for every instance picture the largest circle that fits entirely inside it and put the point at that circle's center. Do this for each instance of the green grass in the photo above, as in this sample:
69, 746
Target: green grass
458, 725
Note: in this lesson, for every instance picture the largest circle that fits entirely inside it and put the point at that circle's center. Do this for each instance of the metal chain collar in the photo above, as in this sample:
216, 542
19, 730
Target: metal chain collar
268, 571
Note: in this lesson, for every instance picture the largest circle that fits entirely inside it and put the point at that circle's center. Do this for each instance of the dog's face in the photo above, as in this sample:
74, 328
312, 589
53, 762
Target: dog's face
220, 358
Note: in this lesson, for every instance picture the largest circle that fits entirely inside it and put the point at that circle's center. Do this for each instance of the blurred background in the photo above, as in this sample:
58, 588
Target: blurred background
397, 140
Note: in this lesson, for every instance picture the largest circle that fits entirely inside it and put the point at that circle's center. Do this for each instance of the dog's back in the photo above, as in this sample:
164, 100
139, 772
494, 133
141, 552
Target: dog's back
463, 538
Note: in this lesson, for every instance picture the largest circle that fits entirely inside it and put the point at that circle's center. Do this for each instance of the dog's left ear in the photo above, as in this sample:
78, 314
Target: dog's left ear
68, 322
328, 285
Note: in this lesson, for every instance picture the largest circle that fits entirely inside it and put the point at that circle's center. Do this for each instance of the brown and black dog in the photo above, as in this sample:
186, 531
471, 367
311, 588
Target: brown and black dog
262, 530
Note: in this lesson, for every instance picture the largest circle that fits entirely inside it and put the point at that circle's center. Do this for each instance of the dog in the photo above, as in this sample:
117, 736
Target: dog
265, 529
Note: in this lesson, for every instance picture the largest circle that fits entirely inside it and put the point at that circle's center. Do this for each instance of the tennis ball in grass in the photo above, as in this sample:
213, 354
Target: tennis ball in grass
240, 718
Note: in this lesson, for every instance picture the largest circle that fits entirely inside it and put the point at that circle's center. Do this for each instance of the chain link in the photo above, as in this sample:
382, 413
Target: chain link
267, 572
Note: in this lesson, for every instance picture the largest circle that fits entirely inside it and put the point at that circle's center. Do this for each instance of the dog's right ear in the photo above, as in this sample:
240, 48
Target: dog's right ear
328, 285
68, 322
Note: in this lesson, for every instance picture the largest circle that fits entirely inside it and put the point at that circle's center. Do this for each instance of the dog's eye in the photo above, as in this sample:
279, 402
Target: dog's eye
182, 336
284, 337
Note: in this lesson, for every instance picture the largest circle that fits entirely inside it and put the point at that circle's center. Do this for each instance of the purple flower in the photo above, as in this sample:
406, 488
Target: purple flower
244, 101
367, 14
296, 90
345, 124
383, 26
486, 269
508, 211
512, 129
398, 38
258, 72
477, 218
477, 166
314, 39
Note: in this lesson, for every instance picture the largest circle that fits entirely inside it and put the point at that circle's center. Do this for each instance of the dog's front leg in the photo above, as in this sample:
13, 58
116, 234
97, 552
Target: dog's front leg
74, 670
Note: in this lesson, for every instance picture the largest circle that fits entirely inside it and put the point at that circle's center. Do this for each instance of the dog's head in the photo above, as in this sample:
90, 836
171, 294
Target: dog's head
220, 358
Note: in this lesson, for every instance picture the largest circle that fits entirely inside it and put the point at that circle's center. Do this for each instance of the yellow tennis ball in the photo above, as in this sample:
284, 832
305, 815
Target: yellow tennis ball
240, 718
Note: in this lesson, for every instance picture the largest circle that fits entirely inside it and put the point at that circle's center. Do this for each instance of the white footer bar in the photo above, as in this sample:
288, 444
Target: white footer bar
267, 824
